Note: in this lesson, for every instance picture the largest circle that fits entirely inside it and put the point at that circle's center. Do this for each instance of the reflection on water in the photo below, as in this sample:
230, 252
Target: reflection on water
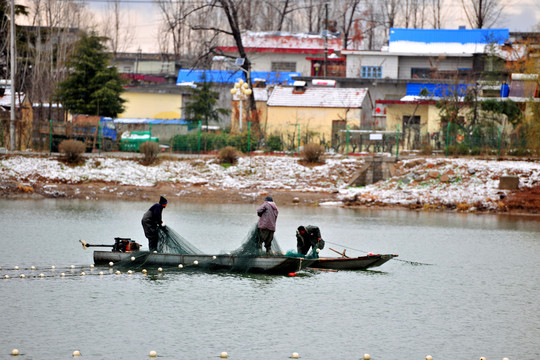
479, 298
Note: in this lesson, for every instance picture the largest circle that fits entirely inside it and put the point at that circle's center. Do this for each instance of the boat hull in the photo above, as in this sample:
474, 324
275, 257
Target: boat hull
256, 264
359, 263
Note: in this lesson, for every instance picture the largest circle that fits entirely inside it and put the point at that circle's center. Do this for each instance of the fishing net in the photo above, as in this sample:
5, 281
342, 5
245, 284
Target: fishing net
170, 242
253, 247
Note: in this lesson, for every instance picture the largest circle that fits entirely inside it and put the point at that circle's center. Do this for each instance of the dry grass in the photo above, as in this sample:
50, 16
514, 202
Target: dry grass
72, 151
228, 155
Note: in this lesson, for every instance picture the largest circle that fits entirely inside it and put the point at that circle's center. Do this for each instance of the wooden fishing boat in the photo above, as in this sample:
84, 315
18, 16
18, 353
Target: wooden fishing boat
252, 264
348, 263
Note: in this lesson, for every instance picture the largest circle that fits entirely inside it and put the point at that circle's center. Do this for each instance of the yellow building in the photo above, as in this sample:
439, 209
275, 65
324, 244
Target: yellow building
240, 109
151, 105
317, 114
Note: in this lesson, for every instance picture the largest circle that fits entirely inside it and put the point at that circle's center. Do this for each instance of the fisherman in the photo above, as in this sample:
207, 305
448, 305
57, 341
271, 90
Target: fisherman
309, 237
266, 227
152, 221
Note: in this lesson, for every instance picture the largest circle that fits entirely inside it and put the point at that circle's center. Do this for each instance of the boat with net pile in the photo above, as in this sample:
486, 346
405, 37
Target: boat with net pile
176, 251
235, 263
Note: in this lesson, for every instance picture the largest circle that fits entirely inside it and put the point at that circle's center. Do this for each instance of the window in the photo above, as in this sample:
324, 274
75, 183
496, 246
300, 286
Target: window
283, 66
420, 73
371, 72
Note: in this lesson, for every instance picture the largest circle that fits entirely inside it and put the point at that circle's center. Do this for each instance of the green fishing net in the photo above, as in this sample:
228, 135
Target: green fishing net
170, 242
251, 246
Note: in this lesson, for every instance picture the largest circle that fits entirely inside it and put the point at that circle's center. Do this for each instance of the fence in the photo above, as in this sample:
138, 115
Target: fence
452, 140
203, 142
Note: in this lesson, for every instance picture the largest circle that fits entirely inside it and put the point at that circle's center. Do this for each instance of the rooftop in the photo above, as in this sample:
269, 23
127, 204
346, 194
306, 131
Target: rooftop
318, 97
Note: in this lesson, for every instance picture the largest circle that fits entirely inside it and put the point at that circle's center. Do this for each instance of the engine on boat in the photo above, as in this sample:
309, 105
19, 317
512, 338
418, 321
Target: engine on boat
125, 245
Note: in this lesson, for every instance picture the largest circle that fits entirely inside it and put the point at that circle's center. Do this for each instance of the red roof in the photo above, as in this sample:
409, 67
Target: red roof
234, 49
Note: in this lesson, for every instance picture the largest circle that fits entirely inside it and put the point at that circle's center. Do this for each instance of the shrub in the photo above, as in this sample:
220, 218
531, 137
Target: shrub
312, 153
72, 150
274, 143
228, 155
427, 149
150, 150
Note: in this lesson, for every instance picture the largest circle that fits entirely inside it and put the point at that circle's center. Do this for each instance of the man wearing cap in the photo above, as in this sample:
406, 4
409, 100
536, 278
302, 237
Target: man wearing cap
151, 221
268, 214
307, 237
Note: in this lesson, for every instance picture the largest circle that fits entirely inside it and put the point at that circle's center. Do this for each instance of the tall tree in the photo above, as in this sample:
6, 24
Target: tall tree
348, 17
92, 86
482, 13
5, 9
201, 105
117, 28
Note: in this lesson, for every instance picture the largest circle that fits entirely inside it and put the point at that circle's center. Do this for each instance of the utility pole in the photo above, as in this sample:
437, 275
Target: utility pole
325, 32
12, 50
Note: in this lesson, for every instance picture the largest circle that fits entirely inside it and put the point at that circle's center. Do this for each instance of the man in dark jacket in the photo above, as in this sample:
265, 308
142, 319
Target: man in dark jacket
151, 221
307, 237
268, 214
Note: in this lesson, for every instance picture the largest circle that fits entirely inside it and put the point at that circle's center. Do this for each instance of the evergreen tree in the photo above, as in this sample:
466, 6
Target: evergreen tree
92, 86
202, 104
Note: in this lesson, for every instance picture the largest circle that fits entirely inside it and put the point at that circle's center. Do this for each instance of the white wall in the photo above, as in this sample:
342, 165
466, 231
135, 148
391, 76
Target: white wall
388, 62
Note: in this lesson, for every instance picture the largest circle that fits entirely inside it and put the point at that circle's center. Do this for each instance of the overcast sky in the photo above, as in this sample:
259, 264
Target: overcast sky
143, 19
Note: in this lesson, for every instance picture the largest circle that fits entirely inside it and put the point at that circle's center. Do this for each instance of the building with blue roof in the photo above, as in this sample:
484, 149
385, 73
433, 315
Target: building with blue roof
187, 77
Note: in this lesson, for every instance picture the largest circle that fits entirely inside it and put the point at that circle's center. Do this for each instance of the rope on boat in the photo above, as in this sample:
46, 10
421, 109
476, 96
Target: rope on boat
366, 252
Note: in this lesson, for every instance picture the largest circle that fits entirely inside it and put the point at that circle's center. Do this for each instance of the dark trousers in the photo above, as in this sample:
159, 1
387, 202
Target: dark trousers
151, 233
265, 237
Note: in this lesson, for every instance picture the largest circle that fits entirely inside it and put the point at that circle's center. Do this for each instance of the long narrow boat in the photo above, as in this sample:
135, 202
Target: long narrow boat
348, 263
252, 264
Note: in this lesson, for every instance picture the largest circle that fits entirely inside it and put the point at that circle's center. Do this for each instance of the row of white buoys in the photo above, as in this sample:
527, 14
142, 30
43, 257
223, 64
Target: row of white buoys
111, 264
224, 355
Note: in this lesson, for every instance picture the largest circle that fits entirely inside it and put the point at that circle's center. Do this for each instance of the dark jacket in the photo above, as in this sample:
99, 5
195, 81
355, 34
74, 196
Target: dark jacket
152, 217
312, 238
268, 214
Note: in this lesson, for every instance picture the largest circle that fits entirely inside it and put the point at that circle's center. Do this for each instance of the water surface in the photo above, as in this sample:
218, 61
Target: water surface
479, 296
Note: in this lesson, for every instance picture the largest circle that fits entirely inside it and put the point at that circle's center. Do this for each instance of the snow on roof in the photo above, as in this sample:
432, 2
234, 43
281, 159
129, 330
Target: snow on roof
445, 40
5, 100
318, 97
279, 39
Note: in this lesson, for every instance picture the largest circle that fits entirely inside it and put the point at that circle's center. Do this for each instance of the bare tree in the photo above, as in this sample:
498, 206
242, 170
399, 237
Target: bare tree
436, 8
175, 26
117, 28
348, 15
482, 13
390, 10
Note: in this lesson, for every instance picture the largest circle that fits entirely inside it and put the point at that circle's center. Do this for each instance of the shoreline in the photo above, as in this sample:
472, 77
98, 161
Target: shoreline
101, 191
418, 184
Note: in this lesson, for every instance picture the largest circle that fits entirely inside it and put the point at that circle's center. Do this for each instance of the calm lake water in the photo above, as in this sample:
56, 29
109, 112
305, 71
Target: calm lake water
478, 297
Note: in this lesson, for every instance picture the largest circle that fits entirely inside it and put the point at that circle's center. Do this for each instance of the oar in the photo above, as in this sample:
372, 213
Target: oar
85, 244
342, 254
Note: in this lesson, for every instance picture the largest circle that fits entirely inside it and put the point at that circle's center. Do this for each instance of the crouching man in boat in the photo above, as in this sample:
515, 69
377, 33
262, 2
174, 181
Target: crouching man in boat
307, 237
266, 227
151, 221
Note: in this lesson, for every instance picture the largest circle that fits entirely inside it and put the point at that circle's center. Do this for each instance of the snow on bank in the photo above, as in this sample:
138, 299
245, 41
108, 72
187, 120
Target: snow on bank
446, 181
257, 172
417, 181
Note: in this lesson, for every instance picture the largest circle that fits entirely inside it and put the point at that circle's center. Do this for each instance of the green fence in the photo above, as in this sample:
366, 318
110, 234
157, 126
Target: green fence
204, 142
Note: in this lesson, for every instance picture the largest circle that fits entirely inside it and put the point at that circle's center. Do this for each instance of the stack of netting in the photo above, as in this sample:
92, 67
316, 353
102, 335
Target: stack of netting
253, 247
170, 242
